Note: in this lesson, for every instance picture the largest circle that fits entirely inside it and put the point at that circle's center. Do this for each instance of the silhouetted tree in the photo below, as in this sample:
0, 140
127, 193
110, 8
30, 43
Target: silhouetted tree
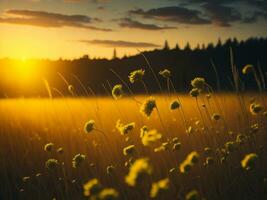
114, 54
187, 47
177, 48
166, 45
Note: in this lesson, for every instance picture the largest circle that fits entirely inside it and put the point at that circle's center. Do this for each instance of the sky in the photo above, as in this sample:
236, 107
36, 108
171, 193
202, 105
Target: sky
69, 29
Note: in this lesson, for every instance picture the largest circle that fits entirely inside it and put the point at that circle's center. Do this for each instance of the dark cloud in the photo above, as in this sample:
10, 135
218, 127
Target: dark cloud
93, 1
254, 17
48, 19
174, 14
120, 43
222, 15
129, 23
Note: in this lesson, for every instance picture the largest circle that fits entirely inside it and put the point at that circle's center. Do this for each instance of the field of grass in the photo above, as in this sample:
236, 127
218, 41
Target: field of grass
219, 145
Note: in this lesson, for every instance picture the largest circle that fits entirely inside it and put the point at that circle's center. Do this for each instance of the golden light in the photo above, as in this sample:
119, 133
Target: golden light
25, 70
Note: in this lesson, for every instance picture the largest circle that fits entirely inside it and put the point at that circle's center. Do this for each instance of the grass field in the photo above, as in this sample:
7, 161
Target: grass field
220, 144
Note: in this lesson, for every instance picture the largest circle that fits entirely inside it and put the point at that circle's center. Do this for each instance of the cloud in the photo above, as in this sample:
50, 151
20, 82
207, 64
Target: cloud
174, 14
129, 23
222, 15
255, 16
93, 1
48, 19
120, 43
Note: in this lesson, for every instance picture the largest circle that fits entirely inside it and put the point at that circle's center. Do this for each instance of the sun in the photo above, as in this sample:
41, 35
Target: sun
25, 69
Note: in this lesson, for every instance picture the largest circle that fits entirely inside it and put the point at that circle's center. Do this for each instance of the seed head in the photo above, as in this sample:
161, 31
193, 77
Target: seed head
49, 147
108, 194
255, 108
175, 105
138, 170
194, 92
148, 106
125, 128
129, 150
92, 187
89, 126
247, 69
77, 160
249, 161
165, 73
117, 91
159, 188
198, 83
136, 75
151, 137
51, 164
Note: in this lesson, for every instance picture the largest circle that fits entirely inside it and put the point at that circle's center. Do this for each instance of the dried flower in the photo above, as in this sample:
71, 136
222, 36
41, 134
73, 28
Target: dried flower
194, 92
108, 194
77, 160
255, 108
198, 83
92, 187
129, 150
216, 117
148, 106
137, 171
247, 69
136, 75
51, 164
249, 161
175, 104
49, 147
159, 188
151, 137
117, 91
124, 128
89, 126
165, 73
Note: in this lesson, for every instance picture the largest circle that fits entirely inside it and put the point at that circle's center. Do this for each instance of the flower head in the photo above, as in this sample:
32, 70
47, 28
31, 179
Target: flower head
92, 187
71, 89
77, 160
148, 106
60, 150
51, 164
117, 91
230, 146
255, 108
136, 75
124, 128
189, 162
89, 126
159, 188
249, 161
216, 117
110, 169
49, 147
151, 137
175, 104
165, 73
194, 92
138, 170
108, 194
143, 131
192, 195
198, 83
193, 157
129, 150
247, 69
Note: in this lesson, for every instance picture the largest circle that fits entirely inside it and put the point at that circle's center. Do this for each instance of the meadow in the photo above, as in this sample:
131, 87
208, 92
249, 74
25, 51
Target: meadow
202, 145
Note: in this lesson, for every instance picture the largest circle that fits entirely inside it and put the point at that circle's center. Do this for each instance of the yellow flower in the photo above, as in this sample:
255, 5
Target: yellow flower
137, 171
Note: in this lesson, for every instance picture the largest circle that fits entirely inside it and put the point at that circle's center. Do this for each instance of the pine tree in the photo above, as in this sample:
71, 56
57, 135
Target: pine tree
166, 45
114, 54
